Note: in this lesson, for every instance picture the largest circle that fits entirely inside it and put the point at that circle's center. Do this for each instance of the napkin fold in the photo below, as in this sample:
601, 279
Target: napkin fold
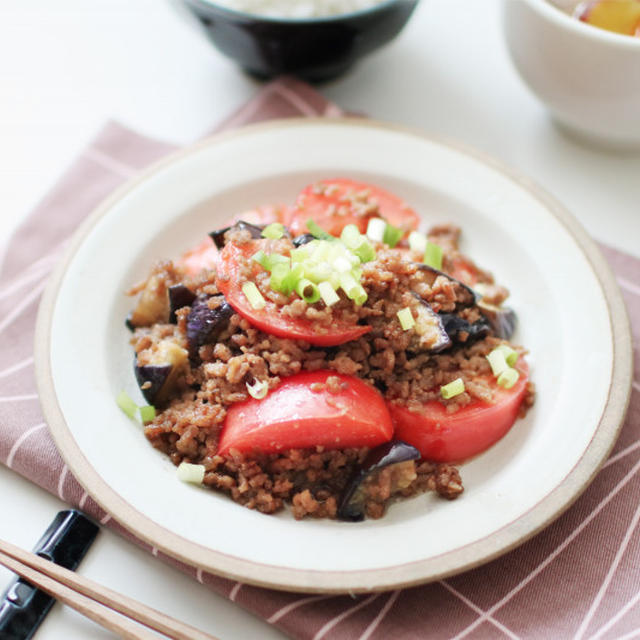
580, 577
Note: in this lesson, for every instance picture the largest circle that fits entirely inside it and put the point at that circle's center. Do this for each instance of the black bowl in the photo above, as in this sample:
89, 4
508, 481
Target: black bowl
314, 49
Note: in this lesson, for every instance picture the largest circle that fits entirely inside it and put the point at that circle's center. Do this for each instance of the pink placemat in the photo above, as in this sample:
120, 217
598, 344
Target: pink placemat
579, 578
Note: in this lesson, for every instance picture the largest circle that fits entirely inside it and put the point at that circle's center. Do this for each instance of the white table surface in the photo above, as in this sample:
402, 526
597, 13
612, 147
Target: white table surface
68, 65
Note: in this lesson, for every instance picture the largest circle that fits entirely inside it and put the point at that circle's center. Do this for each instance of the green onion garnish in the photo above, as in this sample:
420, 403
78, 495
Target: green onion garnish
300, 254
193, 473
360, 295
376, 229
349, 285
406, 318
417, 242
253, 295
318, 232
497, 361
258, 389
510, 355
351, 236
329, 296
308, 291
147, 413
261, 258
125, 402
452, 389
365, 252
392, 235
433, 256
508, 378
273, 231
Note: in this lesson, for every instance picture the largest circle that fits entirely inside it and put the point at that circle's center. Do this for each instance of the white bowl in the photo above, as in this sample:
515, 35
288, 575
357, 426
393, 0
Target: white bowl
589, 78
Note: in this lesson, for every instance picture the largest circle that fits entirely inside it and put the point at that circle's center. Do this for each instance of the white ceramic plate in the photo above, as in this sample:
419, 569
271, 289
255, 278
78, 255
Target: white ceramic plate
571, 319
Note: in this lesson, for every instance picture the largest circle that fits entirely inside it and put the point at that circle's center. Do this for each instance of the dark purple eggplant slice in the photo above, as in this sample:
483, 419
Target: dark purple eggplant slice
503, 320
425, 268
429, 331
462, 331
151, 378
204, 324
253, 229
179, 296
352, 502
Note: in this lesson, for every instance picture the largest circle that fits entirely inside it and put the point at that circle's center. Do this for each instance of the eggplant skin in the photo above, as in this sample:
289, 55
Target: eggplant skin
305, 238
204, 324
179, 296
455, 326
503, 320
351, 508
241, 225
436, 272
156, 375
429, 326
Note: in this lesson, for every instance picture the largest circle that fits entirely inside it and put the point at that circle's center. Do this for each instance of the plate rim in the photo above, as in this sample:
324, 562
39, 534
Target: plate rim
463, 558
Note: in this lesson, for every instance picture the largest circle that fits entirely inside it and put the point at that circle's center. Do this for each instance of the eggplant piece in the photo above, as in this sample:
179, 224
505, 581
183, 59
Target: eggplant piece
151, 378
241, 225
429, 331
503, 320
162, 367
305, 238
352, 502
457, 327
425, 268
204, 324
179, 296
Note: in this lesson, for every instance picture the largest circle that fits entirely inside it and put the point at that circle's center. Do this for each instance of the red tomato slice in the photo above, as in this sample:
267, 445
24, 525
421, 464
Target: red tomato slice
267, 319
295, 417
451, 437
199, 258
324, 208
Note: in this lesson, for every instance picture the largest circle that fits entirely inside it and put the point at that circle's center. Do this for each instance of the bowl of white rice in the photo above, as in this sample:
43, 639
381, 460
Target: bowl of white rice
313, 39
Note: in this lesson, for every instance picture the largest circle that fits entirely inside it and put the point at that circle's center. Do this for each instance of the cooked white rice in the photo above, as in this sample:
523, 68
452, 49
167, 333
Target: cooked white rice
297, 8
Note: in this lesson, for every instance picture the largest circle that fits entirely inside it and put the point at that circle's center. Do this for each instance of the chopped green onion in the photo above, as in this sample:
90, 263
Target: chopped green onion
329, 296
273, 231
510, 355
342, 264
365, 252
376, 229
318, 272
497, 361
452, 389
258, 389
308, 291
392, 235
300, 254
147, 413
261, 258
253, 295
351, 236
291, 279
508, 378
417, 242
406, 318
433, 256
280, 279
193, 473
349, 285
317, 231
360, 295
125, 402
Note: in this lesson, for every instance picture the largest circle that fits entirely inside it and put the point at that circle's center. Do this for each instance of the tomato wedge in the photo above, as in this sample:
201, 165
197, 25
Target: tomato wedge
201, 257
293, 416
269, 319
325, 203
452, 437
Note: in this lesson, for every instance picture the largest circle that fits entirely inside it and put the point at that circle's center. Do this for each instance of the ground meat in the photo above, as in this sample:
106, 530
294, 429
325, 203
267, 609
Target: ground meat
188, 425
